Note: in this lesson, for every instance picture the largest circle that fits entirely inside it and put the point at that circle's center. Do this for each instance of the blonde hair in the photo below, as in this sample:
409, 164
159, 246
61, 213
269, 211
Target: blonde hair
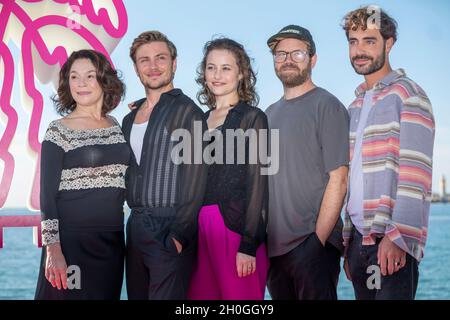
148, 37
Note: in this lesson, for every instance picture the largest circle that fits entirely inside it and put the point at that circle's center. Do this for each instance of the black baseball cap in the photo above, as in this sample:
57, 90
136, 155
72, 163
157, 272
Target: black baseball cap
293, 31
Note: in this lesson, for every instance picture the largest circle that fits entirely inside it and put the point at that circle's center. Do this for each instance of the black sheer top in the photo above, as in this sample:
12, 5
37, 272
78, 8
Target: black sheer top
239, 188
169, 176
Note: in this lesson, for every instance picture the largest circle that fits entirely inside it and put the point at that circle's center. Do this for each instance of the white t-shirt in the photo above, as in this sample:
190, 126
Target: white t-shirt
137, 139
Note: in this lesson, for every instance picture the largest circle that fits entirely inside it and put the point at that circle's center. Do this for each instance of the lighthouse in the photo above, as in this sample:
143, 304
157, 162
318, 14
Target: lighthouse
443, 189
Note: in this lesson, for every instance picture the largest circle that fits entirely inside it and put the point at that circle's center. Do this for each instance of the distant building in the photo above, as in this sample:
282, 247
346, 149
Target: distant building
442, 196
436, 197
443, 186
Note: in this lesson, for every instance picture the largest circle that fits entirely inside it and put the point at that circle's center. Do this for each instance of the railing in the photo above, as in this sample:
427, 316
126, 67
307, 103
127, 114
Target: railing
22, 221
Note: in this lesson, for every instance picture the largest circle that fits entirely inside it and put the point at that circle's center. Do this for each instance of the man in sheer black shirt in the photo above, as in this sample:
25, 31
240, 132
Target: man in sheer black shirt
164, 196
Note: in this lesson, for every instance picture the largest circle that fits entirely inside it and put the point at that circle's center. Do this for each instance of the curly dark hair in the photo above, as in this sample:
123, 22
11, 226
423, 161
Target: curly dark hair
246, 88
358, 19
108, 79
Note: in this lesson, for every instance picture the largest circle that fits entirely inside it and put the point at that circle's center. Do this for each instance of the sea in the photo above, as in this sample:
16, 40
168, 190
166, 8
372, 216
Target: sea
19, 260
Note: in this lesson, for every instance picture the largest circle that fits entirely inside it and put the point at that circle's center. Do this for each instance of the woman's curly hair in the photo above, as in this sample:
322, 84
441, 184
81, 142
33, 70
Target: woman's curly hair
108, 79
246, 88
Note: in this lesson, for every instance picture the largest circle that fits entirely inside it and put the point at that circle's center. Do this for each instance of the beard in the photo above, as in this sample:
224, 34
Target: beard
149, 85
372, 67
293, 79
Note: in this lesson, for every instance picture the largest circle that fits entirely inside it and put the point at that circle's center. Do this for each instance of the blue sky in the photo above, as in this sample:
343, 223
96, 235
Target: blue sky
422, 49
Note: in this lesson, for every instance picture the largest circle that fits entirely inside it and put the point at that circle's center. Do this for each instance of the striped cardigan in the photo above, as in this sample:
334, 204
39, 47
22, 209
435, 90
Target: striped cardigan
397, 152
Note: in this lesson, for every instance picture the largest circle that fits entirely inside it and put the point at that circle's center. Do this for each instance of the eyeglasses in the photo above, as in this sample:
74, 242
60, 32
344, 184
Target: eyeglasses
296, 55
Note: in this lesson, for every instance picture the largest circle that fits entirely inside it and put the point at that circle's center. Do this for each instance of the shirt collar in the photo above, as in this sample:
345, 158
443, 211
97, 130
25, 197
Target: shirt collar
238, 108
174, 92
386, 81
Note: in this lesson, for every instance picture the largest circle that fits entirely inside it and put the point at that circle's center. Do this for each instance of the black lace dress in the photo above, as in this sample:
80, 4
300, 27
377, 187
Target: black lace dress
82, 197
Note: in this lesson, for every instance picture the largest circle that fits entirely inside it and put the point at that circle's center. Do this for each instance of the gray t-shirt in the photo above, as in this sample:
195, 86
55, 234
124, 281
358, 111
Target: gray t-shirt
314, 140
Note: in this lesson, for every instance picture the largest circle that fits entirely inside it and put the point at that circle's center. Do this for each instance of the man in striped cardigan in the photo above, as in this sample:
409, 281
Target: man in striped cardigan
391, 147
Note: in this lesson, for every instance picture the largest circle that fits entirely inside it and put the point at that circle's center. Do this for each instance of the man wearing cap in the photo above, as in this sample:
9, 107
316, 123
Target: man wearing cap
307, 193
391, 137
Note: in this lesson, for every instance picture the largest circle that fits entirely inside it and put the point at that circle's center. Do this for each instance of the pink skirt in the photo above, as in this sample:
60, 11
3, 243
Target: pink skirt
215, 274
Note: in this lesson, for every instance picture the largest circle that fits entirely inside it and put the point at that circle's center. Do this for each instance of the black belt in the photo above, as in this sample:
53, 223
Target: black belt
155, 212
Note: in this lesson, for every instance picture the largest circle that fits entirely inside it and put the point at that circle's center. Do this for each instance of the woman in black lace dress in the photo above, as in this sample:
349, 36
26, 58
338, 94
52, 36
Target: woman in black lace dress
83, 162
232, 261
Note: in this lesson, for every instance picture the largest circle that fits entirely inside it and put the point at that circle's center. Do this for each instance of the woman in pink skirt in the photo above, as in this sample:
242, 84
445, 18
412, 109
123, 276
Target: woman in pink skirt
232, 261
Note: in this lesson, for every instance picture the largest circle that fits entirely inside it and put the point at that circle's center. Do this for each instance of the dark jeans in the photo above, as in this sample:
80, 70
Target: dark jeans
154, 268
401, 285
308, 272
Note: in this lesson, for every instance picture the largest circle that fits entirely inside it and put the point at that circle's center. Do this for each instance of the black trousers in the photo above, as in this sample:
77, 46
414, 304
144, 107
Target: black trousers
401, 285
308, 272
154, 268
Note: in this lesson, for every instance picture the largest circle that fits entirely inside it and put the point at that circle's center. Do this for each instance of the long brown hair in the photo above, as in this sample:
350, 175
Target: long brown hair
246, 88
108, 79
